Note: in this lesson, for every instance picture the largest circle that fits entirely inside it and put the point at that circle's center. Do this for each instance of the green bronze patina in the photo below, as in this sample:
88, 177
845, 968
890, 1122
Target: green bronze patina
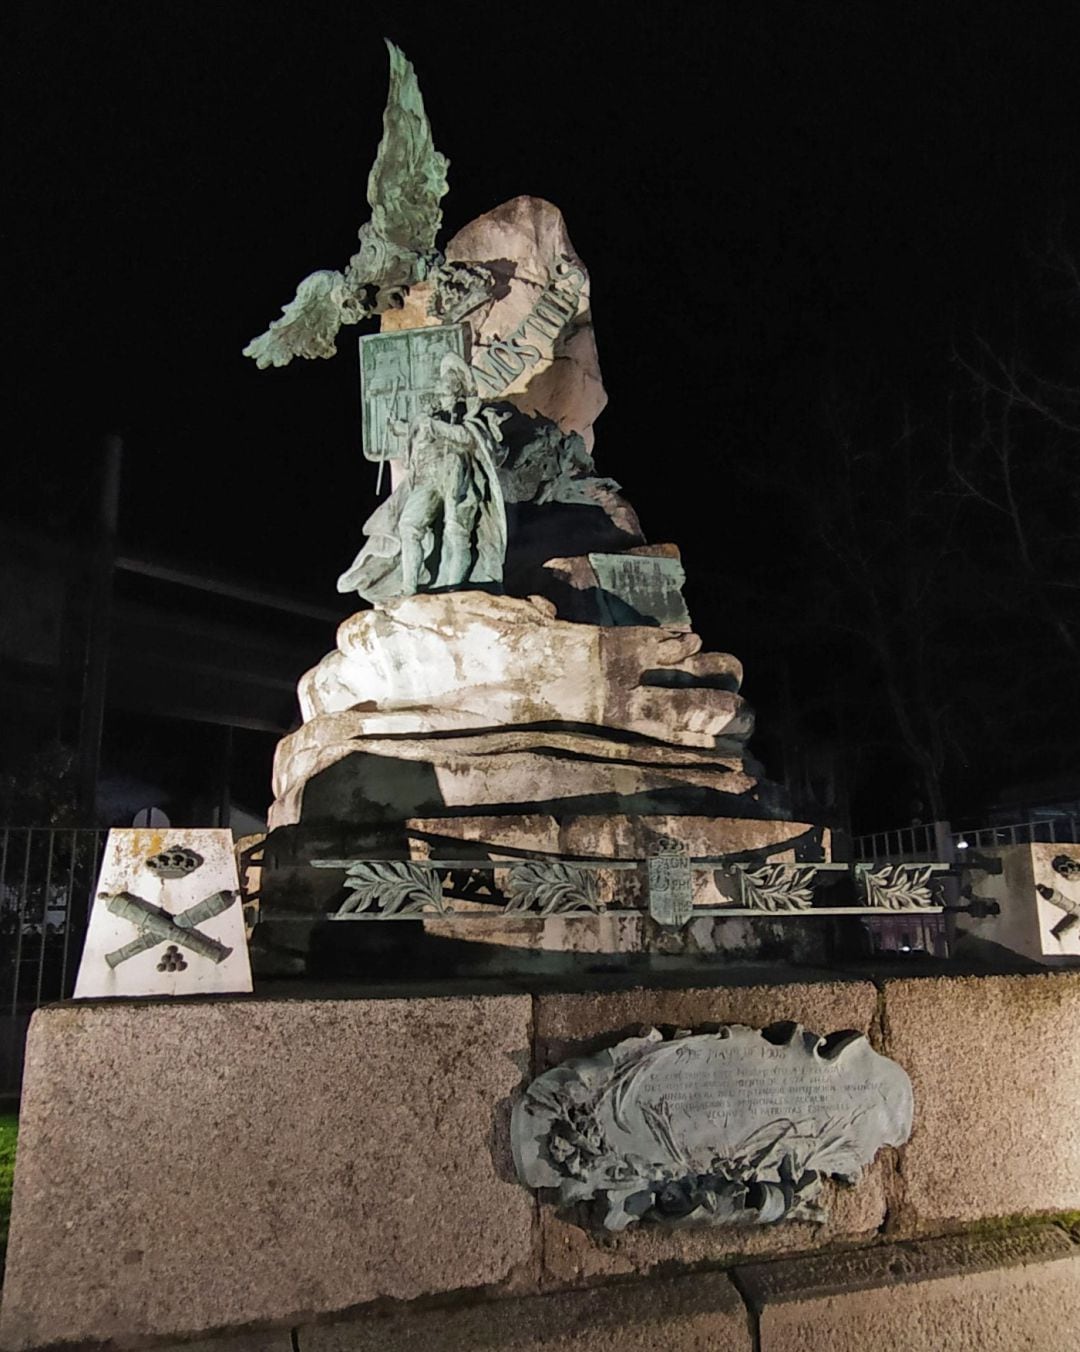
424, 406
397, 246
399, 377
444, 525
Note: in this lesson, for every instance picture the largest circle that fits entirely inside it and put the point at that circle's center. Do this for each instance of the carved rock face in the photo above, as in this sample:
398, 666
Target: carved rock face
470, 659
539, 310
496, 702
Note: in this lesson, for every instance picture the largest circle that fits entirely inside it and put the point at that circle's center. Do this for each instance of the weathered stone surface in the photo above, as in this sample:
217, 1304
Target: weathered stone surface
1037, 892
996, 1082
330, 769
471, 663
157, 929
268, 1340
190, 1167
604, 935
524, 242
964, 1294
472, 660
621, 836
690, 1313
824, 1275
579, 1025
576, 1025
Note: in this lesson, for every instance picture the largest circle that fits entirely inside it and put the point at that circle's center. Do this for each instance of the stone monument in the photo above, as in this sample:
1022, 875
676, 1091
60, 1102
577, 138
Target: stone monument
526, 677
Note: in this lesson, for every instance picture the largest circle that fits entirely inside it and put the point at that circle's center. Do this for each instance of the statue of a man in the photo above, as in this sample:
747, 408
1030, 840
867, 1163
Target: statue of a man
445, 523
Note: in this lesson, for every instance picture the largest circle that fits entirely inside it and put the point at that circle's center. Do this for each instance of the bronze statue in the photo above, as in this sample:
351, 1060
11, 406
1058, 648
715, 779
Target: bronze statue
445, 523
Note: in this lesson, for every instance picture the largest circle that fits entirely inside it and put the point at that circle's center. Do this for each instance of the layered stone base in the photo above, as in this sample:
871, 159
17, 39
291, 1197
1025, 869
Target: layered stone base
444, 703
263, 1165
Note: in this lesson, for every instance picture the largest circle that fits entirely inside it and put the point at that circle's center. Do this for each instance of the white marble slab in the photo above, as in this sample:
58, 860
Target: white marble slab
166, 918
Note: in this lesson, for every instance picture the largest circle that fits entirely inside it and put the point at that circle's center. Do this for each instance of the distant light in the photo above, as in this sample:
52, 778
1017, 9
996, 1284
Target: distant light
905, 948
961, 845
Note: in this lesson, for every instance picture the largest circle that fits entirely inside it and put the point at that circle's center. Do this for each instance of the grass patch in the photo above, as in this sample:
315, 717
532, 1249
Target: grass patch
9, 1131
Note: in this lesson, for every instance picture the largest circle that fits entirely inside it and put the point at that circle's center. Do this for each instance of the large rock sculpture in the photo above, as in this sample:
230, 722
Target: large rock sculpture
509, 706
528, 667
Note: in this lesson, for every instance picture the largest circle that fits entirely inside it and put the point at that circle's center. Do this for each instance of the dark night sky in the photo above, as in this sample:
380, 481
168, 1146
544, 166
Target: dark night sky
761, 192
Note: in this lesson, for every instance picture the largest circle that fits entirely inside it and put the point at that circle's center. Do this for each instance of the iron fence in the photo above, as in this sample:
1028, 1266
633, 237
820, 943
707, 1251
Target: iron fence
920, 841
47, 877
938, 841
1048, 830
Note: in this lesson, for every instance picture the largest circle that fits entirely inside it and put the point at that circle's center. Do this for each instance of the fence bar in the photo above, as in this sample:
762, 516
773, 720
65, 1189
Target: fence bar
21, 920
68, 925
45, 899
13, 1032
935, 840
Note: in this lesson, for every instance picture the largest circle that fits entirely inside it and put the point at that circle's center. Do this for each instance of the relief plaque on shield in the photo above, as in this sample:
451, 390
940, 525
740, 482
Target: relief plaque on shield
399, 371
671, 893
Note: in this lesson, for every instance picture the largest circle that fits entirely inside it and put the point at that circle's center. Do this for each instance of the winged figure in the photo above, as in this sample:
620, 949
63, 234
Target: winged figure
397, 246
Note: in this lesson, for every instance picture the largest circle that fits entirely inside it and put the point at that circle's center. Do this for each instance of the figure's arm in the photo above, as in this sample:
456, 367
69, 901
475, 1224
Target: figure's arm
458, 435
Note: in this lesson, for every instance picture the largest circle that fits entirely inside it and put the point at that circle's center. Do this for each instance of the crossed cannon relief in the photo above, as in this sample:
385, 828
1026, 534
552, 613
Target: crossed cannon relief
158, 926
1068, 868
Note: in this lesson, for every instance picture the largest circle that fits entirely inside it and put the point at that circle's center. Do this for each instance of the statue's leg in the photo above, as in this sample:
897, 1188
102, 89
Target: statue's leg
457, 551
416, 518
459, 507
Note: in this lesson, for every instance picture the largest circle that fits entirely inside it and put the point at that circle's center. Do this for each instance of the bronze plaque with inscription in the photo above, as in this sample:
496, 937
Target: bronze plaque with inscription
735, 1127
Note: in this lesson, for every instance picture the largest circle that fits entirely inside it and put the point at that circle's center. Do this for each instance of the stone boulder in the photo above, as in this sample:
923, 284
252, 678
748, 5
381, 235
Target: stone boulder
539, 305
465, 701
445, 661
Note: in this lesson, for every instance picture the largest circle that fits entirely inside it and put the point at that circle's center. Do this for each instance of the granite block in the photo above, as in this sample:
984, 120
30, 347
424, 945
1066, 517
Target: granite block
190, 1167
995, 1066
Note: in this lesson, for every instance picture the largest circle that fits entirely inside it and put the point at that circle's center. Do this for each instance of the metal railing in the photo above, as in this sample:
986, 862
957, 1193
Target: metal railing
47, 878
923, 840
1048, 830
543, 888
938, 841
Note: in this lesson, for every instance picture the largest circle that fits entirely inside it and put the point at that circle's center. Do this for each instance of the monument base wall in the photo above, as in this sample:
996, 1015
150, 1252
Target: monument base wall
336, 1171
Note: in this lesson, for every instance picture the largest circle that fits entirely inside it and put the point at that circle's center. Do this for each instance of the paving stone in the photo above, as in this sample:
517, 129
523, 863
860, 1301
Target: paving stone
691, 1314
278, 1340
984, 1294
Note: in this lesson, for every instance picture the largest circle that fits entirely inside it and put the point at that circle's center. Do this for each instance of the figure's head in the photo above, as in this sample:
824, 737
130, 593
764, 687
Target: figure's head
455, 378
